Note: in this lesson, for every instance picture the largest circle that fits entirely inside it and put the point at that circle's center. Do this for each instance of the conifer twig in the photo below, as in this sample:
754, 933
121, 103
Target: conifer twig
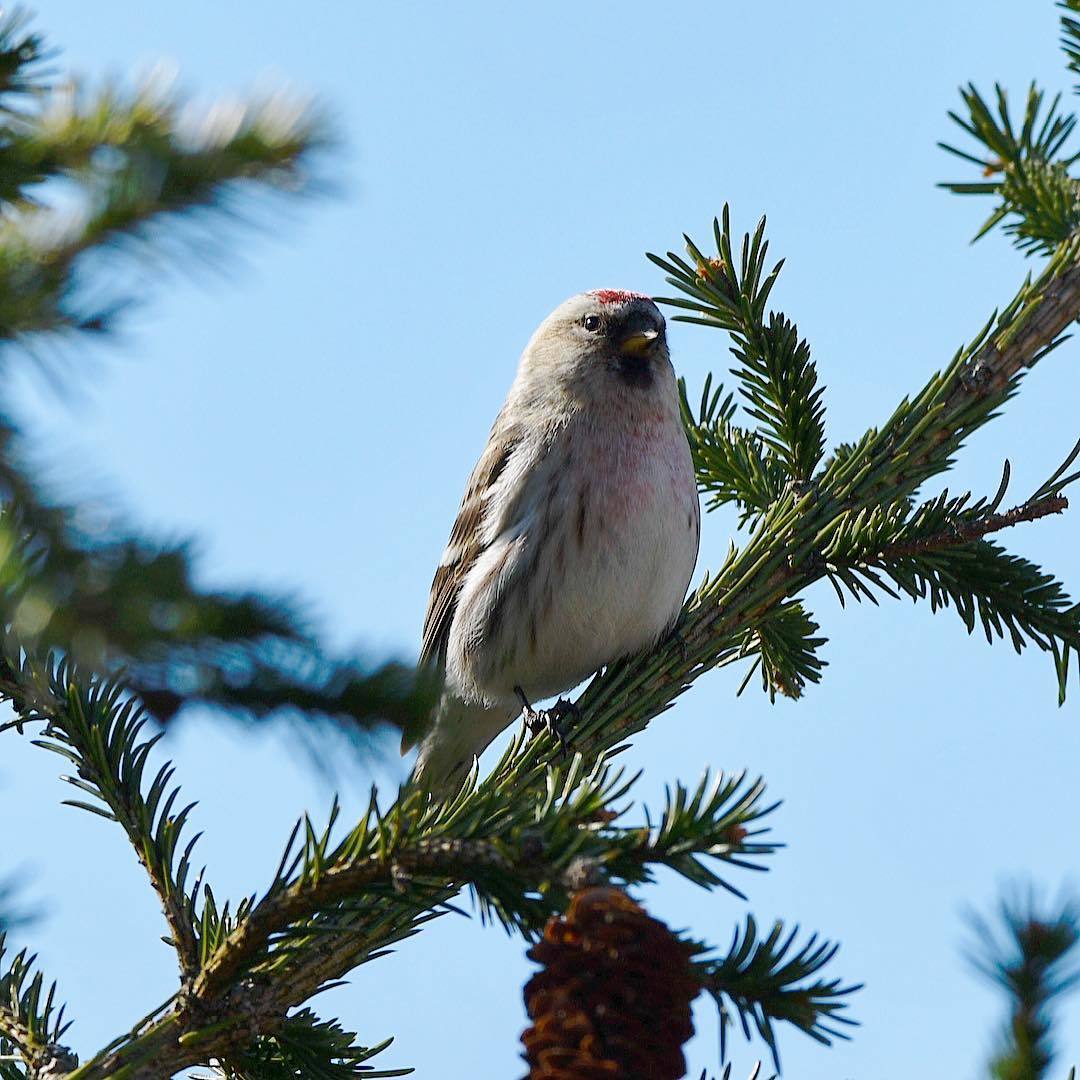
968, 531
70, 729
451, 861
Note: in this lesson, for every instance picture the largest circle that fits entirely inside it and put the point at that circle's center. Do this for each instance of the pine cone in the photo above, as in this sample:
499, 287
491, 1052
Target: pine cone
612, 1001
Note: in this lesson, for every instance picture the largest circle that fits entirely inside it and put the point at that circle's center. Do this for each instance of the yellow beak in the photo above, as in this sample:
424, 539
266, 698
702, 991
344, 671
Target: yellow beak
638, 343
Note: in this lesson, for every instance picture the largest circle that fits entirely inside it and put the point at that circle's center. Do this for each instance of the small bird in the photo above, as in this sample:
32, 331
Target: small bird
578, 533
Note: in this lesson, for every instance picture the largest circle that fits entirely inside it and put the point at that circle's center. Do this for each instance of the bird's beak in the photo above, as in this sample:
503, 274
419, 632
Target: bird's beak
638, 343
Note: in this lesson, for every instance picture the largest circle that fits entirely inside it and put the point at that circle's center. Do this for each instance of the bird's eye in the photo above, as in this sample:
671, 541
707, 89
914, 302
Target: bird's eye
591, 323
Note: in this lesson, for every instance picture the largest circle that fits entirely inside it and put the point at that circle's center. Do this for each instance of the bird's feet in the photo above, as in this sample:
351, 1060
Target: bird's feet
677, 637
550, 720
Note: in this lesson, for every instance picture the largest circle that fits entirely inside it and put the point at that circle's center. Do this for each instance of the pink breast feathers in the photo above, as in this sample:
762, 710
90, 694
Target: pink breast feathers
617, 296
646, 470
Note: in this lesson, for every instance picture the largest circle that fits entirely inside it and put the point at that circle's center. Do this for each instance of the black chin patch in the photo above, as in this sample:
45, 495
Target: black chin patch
635, 371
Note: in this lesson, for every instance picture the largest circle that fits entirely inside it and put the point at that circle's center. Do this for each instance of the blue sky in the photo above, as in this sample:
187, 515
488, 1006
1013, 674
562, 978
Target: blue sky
312, 412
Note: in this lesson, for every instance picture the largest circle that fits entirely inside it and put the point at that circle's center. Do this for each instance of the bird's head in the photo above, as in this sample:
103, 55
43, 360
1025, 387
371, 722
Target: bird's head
599, 341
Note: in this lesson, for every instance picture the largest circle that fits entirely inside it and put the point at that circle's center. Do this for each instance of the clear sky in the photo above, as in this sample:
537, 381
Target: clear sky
312, 414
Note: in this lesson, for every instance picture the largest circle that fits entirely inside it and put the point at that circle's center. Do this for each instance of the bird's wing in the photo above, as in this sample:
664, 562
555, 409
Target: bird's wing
467, 541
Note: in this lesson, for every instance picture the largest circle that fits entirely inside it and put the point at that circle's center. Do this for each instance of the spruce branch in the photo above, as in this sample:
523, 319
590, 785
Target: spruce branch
731, 463
918, 440
31, 1025
114, 601
1024, 169
765, 980
135, 159
305, 1046
1009, 596
337, 901
936, 551
1031, 954
144, 170
98, 728
968, 531
783, 554
519, 858
778, 380
712, 820
784, 646
1070, 34
23, 55
1024, 165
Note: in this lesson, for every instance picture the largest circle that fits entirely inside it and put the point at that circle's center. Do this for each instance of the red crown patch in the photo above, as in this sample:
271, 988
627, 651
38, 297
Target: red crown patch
616, 296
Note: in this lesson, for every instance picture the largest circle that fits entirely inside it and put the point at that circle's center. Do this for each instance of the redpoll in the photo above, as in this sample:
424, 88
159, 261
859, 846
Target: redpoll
578, 533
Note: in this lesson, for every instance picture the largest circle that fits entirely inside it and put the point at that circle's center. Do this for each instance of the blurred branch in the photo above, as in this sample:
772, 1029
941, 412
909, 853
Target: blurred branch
131, 163
82, 172
116, 602
12, 912
1031, 954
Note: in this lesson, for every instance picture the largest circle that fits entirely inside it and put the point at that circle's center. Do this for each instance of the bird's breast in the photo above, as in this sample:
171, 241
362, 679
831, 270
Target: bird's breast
620, 547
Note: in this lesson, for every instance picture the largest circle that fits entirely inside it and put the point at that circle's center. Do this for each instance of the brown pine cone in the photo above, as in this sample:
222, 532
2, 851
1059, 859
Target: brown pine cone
612, 1001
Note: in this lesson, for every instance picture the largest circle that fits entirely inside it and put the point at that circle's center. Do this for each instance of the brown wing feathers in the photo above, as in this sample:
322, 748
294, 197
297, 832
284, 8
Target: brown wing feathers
465, 544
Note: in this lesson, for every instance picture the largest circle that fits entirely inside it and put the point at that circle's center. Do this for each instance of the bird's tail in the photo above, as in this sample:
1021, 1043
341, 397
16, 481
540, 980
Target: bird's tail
460, 733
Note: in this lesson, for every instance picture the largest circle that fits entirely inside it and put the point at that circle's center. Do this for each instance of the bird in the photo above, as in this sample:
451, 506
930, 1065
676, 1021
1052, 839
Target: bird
577, 536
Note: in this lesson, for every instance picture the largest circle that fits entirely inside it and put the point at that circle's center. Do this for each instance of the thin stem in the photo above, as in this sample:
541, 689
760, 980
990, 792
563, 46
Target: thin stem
970, 531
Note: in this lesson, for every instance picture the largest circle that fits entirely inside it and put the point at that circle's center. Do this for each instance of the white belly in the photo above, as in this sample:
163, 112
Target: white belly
612, 569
